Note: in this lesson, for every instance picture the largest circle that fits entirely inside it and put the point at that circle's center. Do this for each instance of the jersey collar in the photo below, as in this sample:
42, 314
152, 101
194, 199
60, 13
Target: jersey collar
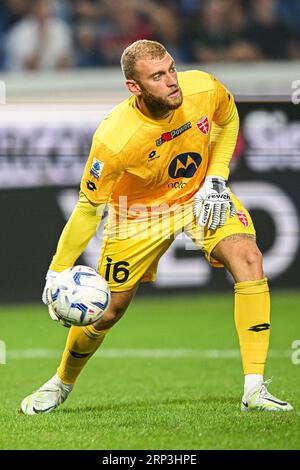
155, 122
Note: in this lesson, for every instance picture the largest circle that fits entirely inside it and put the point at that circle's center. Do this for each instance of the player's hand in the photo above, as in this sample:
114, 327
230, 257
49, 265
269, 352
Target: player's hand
211, 203
46, 297
50, 281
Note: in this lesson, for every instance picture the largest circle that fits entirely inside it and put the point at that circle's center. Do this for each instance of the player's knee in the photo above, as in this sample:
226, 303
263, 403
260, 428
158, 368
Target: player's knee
111, 316
117, 308
114, 313
252, 260
253, 257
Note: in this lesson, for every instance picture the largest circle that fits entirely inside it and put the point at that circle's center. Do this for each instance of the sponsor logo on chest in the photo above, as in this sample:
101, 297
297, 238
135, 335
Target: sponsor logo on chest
184, 165
167, 136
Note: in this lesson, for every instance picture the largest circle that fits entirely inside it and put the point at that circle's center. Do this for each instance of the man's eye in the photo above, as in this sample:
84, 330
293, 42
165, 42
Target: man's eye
156, 77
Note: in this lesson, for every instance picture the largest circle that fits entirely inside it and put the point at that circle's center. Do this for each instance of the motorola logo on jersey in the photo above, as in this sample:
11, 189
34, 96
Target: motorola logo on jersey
184, 165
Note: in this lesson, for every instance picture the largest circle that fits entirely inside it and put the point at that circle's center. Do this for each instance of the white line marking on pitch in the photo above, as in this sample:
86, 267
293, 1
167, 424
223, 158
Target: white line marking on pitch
143, 353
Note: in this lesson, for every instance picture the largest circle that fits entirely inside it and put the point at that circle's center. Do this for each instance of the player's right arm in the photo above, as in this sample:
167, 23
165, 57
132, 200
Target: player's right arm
78, 231
100, 175
102, 172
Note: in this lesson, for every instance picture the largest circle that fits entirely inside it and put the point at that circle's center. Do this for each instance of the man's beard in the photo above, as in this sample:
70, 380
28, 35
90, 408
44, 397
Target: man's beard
160, 106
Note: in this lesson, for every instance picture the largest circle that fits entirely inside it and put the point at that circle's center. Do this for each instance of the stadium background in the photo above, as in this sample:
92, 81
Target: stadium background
50, 108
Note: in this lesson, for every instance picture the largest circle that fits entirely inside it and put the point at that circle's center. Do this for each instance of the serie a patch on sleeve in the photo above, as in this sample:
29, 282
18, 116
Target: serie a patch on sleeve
96, 168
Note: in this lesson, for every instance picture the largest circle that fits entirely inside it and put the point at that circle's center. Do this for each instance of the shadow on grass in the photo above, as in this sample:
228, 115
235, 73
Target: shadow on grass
209, 403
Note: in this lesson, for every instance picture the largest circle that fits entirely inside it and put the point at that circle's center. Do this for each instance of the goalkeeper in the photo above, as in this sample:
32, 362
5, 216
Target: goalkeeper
160, 162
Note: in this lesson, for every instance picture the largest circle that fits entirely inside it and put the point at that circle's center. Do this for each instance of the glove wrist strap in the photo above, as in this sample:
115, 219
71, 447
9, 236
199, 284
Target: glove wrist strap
211, 177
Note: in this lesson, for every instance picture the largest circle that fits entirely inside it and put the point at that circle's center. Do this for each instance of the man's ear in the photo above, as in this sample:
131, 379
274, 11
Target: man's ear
133, 87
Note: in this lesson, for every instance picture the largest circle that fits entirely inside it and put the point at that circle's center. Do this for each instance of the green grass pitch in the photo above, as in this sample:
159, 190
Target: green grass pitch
168, 376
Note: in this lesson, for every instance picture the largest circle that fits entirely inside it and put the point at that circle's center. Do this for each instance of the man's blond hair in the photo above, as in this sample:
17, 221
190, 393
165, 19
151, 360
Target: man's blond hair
142, 49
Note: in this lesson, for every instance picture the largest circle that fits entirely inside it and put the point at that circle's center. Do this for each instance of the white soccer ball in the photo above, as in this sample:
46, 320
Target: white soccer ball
79, 296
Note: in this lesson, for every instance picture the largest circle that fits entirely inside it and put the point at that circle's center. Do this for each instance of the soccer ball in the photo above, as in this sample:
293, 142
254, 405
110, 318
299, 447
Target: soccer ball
78, 296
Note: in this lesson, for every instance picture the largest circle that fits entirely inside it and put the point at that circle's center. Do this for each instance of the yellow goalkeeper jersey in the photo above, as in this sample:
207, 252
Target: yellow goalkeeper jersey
157, 162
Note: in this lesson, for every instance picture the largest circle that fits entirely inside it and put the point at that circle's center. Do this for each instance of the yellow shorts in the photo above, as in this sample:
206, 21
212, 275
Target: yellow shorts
132, 249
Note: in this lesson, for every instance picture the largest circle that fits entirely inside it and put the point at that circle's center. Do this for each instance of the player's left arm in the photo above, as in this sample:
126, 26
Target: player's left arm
213, 199
224, 132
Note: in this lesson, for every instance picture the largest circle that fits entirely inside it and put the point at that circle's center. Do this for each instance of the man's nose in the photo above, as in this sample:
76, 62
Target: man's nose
171, 80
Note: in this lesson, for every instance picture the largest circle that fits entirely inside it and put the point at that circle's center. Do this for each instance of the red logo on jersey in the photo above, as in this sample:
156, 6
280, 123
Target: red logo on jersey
166, 136
243, 218
203, 125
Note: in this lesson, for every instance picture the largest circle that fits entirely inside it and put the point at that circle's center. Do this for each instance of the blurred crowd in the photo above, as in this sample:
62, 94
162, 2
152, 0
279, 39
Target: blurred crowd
56, 34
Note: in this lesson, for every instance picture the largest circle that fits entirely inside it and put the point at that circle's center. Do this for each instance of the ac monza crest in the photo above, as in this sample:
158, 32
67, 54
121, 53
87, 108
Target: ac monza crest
203, 125
243, 218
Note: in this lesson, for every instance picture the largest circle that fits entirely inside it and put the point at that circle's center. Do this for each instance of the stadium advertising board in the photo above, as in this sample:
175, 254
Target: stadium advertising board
43, 150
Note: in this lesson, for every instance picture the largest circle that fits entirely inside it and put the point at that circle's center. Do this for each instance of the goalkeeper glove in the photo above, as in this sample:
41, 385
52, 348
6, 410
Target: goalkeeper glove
211, 203
50, 285
50, 277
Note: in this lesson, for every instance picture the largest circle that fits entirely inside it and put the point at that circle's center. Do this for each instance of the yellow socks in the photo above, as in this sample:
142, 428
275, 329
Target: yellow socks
252, 320
82, 342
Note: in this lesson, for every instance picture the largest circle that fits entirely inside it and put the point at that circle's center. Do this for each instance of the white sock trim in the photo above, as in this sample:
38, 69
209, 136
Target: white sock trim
252, 381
